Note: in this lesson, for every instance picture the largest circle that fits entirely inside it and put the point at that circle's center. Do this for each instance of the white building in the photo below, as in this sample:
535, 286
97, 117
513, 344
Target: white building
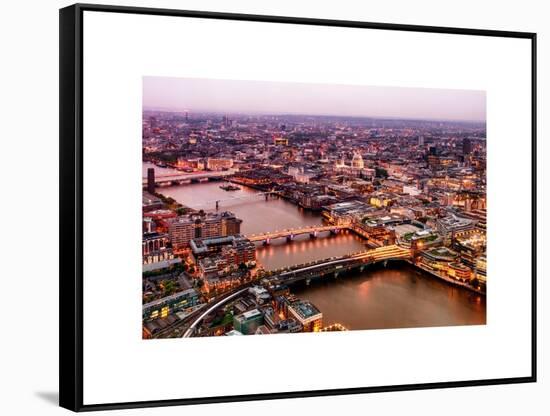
411, 190
357, 161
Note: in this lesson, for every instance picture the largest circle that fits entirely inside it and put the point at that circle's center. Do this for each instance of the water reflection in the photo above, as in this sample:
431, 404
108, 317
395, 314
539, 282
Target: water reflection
394, 297
303, 249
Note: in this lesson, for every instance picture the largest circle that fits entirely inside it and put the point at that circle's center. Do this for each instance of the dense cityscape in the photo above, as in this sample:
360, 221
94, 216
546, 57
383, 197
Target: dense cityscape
400, 193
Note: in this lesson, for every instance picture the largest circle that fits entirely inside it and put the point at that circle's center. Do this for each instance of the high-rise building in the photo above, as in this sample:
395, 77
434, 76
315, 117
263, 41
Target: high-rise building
467, 146
421, 140
151, 180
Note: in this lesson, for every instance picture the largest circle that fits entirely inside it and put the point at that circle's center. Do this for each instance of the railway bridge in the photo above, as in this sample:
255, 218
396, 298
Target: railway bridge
335, 266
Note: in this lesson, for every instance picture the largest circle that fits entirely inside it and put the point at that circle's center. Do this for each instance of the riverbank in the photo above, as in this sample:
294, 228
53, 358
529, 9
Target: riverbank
400, 296
392, 297
279, 194
448, 279
283, 213
432, 274
418, 266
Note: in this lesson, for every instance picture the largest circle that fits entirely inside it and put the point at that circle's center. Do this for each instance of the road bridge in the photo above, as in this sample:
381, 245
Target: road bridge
289, 234
183, 178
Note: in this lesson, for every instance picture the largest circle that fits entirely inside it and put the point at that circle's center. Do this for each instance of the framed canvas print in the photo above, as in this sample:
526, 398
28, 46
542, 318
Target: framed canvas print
259, 207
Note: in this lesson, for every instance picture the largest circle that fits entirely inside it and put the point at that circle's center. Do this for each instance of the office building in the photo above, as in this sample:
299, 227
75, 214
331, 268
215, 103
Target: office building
151, 180
307, 315
248, 322
467, 146
219, 163
150, 202
163, 307
185, 228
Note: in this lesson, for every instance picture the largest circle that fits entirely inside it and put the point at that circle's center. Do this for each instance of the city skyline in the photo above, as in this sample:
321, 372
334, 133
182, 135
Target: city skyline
278, 223
293, 98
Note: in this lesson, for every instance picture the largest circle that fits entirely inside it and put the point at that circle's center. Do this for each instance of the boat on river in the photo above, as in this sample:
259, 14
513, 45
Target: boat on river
230, 187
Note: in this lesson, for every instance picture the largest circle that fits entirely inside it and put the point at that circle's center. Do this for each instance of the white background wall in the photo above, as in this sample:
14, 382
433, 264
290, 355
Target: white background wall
28, 163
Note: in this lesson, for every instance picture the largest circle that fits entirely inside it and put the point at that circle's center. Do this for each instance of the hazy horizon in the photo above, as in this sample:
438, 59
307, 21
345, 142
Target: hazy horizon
289, 98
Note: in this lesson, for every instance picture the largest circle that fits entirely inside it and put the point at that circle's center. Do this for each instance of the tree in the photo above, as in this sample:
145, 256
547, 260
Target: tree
181, 211
168, 287
381, 172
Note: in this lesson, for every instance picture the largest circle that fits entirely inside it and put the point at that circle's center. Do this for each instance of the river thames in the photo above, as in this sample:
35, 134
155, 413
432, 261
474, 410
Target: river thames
396, 296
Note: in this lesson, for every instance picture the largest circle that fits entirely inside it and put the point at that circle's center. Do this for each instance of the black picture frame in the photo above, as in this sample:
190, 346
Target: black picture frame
71, 206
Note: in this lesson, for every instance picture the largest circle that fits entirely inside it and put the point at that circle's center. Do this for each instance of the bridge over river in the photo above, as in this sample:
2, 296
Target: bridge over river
337, 265
309, 271
184, 178
289, 234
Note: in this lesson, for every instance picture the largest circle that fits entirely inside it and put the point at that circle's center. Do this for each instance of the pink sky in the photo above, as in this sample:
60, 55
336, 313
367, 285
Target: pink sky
196, 94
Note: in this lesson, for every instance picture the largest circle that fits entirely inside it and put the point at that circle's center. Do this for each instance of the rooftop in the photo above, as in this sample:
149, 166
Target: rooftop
254, 313
442, 253
167, 299
305, 309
